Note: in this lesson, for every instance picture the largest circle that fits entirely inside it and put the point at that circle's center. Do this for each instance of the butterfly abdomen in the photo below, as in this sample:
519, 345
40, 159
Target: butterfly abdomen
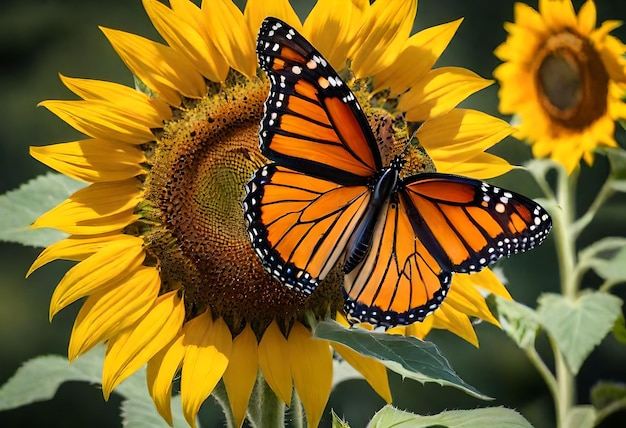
362, 237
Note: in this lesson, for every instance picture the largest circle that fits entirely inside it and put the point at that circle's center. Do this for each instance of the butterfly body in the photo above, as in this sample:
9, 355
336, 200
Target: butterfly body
327, 198
381, 190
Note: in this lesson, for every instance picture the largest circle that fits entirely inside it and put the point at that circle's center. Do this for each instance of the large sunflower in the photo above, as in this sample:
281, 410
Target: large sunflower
164, 258
564, 78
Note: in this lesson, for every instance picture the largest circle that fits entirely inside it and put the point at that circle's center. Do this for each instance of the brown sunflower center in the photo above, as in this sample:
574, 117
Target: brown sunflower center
572, 80
199, 238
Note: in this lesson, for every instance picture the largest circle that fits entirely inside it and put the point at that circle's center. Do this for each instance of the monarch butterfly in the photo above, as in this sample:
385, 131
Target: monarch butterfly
327, 197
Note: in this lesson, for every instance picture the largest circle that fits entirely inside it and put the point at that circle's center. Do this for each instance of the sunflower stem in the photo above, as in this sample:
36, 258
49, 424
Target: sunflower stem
265, 408
566, 254
565, 240
220, 395
605, 193
543, 370
296, 412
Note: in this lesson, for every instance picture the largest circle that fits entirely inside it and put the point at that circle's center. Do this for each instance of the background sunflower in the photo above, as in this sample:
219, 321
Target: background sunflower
40, 39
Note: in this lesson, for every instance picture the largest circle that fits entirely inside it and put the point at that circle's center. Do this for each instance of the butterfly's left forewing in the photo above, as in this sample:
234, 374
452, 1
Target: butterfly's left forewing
312, 122
299, 225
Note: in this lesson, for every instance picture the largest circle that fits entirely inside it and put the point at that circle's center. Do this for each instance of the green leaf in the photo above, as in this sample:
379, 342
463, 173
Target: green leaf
138, 410
617, 161
496, 417
520, 322
578, 325
619, 329
39, 379
338, 422
539, 168
408, 356
604, 394
580, 417
607, 258
21, 207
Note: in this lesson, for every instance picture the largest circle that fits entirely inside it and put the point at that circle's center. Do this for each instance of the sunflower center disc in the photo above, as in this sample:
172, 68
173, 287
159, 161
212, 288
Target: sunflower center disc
571, 80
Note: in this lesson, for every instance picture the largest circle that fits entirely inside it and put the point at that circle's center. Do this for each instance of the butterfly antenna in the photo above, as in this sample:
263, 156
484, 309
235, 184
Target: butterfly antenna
409, 142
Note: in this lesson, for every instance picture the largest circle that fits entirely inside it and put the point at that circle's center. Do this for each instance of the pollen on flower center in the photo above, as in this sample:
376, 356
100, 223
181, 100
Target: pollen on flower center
572, 81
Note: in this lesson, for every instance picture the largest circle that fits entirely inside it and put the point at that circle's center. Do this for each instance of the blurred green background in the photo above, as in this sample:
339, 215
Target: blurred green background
39, 39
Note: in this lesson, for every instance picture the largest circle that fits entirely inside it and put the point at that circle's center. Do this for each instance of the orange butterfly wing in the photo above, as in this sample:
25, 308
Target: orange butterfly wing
474, 223
299, 225
312, 121
459, 225
400, 281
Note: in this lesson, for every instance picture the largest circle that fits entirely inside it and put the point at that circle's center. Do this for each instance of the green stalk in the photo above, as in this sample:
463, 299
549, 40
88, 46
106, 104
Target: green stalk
220, 395
265, 408
566, 252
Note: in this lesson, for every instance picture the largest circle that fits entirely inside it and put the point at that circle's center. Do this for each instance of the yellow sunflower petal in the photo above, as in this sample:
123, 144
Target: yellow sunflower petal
161, 68
108, 312
488, 280
231, 35
133, 348
386, 27
481, 166
440, 91
257, 10
150, 110
102, 270
184, 38
192, 16
103, 120
331, 27
420, 329
418, 56
92, 160
567, 155
240, 376
611, 50
521, 45
528, 17
558, 14
341, 319
312, 368
208, 348
456, 322
461, 134
160, 372
587, 17
511, 98
466, 299
273, 352
75, 248
98, 208
374, 372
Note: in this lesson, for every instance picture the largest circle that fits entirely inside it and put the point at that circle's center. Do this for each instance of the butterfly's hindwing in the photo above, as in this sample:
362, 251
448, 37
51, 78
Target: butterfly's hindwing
399, 282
